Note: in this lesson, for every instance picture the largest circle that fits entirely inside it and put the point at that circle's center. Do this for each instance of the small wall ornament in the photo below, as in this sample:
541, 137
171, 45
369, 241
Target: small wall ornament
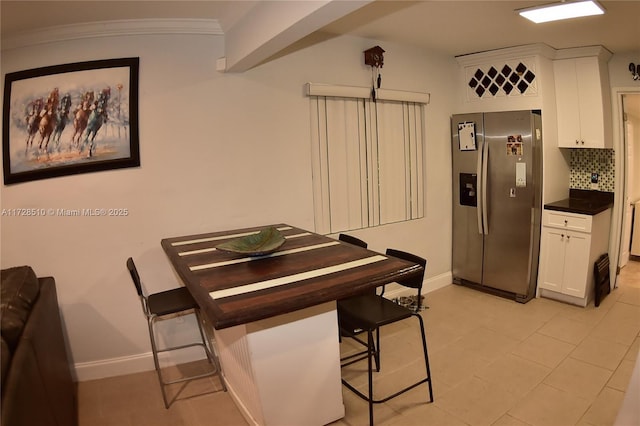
374, 57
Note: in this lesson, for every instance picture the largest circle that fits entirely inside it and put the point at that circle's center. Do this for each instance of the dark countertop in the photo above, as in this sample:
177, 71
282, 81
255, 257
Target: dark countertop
583, 202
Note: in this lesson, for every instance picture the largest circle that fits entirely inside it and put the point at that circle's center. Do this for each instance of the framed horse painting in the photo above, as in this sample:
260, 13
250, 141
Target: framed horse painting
69, 119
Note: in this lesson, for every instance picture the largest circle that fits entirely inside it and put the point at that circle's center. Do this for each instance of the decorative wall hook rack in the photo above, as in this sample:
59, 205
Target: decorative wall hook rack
635, 71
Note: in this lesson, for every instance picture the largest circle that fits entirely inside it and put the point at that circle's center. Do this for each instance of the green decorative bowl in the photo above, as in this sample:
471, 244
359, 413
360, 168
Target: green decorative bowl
266, 241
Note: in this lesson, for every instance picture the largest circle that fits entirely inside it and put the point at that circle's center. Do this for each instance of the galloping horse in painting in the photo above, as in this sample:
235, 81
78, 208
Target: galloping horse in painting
97, 118
33, 120
80, 117
45, 127
48, 118
63, 118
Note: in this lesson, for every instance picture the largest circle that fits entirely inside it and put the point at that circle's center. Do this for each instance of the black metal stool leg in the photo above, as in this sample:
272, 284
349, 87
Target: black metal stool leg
371, 352
426, 355
376, 349
370, 374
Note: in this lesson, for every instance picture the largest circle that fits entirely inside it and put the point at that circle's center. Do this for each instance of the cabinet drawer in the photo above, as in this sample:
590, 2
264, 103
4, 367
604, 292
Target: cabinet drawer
569, 221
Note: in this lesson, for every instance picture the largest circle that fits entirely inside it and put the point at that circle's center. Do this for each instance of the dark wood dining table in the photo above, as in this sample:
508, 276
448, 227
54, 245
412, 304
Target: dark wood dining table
307, 270
275, 319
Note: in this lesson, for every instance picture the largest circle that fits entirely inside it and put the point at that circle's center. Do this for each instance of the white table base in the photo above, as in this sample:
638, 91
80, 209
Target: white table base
285, 370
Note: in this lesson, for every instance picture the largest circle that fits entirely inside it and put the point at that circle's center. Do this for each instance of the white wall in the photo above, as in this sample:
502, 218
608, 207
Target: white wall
218, 151
619, 74
633, 147
621, 81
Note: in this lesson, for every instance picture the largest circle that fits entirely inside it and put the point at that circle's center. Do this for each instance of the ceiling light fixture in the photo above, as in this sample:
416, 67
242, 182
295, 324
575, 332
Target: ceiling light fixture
564, 10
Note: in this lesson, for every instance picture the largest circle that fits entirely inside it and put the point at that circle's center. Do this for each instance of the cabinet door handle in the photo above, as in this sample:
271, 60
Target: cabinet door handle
566, 222
568, 236
577, 142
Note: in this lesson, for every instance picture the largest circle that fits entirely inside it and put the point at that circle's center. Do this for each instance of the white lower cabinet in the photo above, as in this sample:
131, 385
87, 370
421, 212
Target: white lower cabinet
566, 260
568, 252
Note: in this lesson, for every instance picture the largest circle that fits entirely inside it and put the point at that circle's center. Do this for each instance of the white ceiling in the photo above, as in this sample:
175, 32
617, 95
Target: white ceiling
460, 27
450, 27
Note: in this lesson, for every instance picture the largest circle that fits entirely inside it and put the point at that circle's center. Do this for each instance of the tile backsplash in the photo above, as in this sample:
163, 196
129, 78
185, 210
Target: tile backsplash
585, 161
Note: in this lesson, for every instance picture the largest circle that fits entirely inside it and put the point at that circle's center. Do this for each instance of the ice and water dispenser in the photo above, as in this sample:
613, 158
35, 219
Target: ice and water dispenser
468, 189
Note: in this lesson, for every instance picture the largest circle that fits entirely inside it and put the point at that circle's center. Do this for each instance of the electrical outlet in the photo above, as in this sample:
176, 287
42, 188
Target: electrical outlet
594, 181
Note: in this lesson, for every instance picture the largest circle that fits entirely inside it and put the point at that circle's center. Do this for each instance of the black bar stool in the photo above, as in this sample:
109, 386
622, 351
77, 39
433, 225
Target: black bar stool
370, 312
158, 305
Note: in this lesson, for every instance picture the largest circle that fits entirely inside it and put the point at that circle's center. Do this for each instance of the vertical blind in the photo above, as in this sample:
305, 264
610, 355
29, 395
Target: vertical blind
368, 162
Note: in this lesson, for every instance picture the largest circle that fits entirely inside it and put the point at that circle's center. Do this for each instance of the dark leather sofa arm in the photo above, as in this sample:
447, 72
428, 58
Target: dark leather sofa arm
39, 389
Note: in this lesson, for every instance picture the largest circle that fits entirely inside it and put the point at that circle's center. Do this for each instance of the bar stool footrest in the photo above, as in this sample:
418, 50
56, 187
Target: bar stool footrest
379, 401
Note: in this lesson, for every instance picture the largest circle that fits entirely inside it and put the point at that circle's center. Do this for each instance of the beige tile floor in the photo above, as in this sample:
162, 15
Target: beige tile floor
493, 362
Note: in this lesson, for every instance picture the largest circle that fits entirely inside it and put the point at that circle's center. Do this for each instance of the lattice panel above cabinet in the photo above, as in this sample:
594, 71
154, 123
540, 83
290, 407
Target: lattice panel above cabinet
509, 78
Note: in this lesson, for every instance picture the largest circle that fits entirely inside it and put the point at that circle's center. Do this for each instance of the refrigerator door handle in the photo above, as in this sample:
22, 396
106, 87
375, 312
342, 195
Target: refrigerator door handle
480, 199
485, 163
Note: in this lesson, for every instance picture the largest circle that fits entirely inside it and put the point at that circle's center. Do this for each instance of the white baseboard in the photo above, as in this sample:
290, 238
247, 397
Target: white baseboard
131, 364
240, 404
113, 367
428, 286
144, 362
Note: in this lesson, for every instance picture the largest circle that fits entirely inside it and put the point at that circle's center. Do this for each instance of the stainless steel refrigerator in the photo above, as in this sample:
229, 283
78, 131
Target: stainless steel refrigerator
497, 170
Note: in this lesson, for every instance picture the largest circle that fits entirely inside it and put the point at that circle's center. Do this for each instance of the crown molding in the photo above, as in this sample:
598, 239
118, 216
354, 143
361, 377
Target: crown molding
537, 49
580, 52
112, 29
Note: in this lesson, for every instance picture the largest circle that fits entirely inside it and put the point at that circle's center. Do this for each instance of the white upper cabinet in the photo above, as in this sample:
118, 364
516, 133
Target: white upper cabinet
584, 103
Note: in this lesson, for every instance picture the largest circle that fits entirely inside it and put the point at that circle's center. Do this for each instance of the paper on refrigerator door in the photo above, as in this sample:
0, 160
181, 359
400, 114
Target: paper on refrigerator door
467, 136
521, 175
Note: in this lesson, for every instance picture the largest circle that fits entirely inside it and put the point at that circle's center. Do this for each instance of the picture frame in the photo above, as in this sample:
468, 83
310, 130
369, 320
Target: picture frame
72, 118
